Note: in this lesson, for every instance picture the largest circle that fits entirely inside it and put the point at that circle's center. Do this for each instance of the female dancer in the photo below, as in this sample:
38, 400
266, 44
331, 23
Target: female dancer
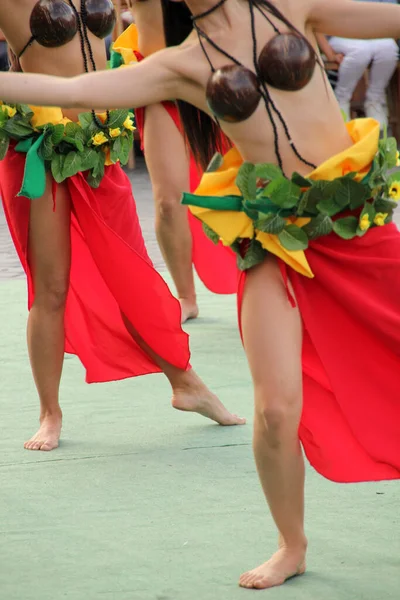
321, 327
92, 288
172, 171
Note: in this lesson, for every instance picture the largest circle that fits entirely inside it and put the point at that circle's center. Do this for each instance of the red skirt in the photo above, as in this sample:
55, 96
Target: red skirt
350, 426
110, 273
215, 265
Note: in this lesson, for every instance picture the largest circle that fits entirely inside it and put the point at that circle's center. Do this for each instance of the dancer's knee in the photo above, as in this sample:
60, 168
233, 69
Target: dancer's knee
168, 202
277, 415
51, 293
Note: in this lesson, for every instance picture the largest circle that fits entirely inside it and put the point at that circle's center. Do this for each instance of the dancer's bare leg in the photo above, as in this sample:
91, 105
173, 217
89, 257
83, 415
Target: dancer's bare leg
189, 393
168, 165
272, 335
49, 260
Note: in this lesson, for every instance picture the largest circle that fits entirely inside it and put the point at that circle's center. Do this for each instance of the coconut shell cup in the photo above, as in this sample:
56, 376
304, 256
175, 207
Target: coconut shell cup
233, 93
287, 62
53, 23
100, 17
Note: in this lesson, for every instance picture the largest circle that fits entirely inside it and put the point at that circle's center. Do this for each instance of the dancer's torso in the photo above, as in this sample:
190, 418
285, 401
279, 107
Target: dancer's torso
65, 60
149, 22
311, 114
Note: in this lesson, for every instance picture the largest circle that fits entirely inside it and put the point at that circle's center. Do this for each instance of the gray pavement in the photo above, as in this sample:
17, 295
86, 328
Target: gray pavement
10, 267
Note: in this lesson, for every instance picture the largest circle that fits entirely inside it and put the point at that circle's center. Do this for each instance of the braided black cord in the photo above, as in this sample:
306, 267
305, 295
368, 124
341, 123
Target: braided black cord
84, 40
274, 27
199, 32
89, 47
208, 11
202, 34
267, 96
264, 91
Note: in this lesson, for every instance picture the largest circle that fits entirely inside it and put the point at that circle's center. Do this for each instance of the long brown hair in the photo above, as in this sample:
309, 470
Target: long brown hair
202, 134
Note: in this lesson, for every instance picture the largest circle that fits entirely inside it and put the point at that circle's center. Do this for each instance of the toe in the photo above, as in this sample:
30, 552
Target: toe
36, 445
244, 579
260, 583
47, 446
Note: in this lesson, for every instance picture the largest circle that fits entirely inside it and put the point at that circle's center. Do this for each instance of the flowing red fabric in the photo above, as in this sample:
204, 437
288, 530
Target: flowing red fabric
214, 264
350, 426
110, 273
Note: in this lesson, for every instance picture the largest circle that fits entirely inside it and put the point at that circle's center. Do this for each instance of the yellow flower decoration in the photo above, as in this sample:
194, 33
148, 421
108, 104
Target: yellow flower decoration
116, 132
364, 223
380, 219
398, 159
99, 139
128, 124
394, 191
9, 110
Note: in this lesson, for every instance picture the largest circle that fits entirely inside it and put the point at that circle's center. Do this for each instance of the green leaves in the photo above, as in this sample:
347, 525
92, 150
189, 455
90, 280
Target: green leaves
385, 206
72, 165
388, 152
17, 127
283, 192
57, 165
301, 181
318, 226
367, 216
348, 192
73, 130
88, 159
268, 171
246, 181
215, 163
293, 238
210, 233
309, 200
25, 111
340, 194
67, 149
57, 134
335, 198
97, 173
255, 255
47, 149
4, 143
120, 150
346, 228
273, 224
117, 118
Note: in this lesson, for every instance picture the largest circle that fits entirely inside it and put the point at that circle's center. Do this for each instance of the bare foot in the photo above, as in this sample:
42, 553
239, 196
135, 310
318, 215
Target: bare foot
189, 308
193, 395
283, 565
47, 437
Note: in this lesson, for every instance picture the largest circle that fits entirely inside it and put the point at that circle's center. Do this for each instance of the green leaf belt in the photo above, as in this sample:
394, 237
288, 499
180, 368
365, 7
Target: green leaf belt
343, 206
64, 150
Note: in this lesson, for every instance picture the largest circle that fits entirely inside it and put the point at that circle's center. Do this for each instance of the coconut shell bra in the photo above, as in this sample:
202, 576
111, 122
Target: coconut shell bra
286, 62
54, 23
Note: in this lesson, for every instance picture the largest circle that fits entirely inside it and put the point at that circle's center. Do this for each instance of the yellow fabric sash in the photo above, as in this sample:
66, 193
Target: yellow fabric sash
126, 43
230, 225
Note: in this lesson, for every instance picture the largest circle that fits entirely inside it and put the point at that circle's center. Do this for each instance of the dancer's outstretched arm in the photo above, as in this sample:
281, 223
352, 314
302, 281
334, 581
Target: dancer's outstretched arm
346, 18
148, 82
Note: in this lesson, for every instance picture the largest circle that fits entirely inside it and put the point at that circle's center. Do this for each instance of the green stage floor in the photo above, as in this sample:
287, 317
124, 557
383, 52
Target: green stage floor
141, 502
